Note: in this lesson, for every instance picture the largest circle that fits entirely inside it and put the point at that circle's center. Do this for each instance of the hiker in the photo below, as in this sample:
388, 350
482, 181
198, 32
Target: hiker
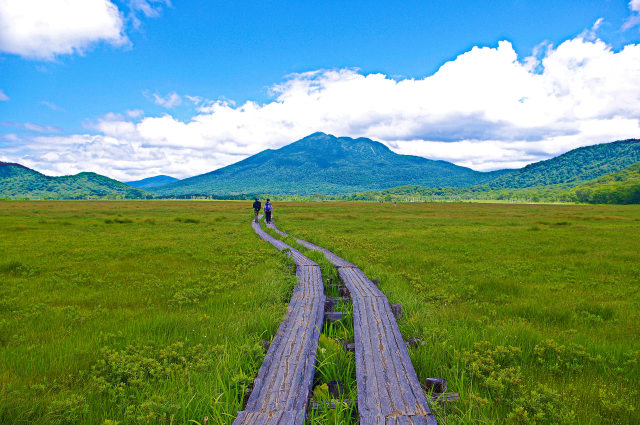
256, 207
268, 208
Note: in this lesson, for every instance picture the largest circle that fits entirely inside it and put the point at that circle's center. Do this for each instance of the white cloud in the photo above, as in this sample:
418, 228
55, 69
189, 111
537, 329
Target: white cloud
135, 113
42, 128
634, 19
51, 105
171, 100
150, 8
45, 29
3, 97
486, 109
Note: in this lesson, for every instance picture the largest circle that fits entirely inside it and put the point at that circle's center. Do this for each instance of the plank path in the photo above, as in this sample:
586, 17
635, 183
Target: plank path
281, 390
389, 392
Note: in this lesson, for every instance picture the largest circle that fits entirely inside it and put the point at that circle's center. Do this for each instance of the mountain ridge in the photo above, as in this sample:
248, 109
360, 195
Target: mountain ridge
154, 181
322, 163
18, 181
330, 166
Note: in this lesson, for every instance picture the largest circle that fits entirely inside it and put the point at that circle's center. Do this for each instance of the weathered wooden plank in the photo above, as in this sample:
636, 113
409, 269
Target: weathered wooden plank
285, 378
367, 384
385, 393
397, 371
388, 388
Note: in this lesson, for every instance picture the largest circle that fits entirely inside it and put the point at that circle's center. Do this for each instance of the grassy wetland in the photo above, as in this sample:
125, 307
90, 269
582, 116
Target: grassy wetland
152, 311
531, 312
133, 312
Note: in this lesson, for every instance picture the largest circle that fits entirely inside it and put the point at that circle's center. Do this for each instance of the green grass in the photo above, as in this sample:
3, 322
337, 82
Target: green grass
531, 312
133, 312
152, 311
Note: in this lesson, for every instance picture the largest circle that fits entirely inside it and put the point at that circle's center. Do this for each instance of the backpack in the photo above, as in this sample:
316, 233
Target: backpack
268, 207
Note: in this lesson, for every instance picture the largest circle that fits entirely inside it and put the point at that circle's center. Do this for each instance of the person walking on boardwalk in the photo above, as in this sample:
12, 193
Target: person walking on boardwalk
268, 209
256, 208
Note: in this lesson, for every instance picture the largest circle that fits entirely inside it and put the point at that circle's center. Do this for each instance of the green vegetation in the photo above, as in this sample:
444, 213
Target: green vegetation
152, 311
154, 181
325, 164
554, 193
133, 312
529, 311
573, 167
622, 187
19, 182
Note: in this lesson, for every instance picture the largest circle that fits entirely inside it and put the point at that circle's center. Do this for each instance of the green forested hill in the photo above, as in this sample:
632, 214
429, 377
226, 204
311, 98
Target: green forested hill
17, 181
150, 182
321, 163
573, 167
621, 187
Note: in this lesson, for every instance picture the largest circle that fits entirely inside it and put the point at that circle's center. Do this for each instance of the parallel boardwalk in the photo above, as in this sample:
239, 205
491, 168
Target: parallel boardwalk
388, 389
281, 389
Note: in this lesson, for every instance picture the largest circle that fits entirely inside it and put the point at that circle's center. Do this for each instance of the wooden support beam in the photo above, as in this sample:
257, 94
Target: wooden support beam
397, 310
334, 316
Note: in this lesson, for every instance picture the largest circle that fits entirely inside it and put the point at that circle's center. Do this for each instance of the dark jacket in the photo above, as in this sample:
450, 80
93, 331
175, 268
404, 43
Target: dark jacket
257, 205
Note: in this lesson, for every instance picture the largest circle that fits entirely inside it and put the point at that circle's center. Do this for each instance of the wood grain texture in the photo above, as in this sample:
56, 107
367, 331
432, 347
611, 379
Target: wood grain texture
388, 388
281, 389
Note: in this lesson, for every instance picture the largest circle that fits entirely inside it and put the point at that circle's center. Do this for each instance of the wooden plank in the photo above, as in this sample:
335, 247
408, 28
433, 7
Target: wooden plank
286, 376
388, 388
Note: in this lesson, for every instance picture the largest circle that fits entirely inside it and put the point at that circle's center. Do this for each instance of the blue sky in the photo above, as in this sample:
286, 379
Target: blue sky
136, 88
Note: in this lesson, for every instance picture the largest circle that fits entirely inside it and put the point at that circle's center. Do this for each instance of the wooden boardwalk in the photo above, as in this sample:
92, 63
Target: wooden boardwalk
389, 392
281, 390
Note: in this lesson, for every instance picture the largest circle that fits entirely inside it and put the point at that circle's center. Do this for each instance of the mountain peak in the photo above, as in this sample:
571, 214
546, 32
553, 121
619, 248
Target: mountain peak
323, 163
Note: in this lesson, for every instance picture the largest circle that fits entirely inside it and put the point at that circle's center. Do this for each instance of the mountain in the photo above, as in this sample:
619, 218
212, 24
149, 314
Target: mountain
321, 163
573, 167
154, 181
621, 187
18, 181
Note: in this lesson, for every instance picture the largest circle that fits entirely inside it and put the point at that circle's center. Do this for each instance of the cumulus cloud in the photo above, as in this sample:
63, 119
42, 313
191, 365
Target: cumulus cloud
3, 97
42, 30
487, 109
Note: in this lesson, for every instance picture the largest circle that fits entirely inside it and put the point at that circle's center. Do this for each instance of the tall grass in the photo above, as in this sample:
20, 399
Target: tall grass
531, 312
133, 312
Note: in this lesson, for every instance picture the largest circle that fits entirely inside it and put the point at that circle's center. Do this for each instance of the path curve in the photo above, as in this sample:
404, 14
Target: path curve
389, 392
281, 390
